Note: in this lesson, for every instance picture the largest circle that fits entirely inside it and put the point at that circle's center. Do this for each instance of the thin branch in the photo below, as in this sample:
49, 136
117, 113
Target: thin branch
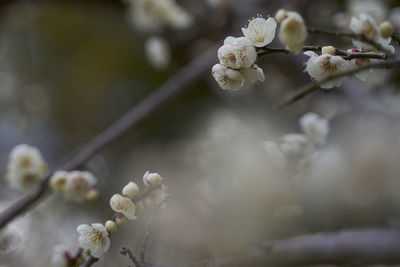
126, 251
346, 55
89, 261
359, 37
357, 247
175, 84
311, 87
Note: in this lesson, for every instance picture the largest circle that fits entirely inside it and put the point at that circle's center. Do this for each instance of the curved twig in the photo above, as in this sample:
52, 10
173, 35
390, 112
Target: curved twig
311, 87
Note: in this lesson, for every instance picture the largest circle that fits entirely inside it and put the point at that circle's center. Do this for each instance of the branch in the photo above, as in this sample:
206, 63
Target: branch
175, 84
311, 87
357, 247
89, 261
126, 251
340, 52
359, 37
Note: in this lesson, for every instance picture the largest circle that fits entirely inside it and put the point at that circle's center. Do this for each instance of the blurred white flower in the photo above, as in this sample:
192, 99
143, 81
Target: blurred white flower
131, 190
93, 239
367, 26
26, 167
157, 52
314, 127
253, 74
357, 62
375, 8
161, 195
275, 154
61, 256
78, 184
294, 143
123, 205
152, 179
237, 53
260, 31
323, 66
153, 14
58, 181
228, 79
293, 32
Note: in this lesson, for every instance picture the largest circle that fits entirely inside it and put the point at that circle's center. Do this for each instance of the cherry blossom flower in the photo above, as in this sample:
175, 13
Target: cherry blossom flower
260, 31
124, 206
293, 32
227, 78
314, 127
158, 52
93, 239
152, 179
237, 53
78, 184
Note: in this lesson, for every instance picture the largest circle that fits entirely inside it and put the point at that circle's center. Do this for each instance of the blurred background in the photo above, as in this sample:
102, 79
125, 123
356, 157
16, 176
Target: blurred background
68, 69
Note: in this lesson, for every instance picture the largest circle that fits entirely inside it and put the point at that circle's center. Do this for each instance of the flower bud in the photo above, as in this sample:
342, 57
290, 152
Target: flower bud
328, 50
131, 190
386, 29
152, 179
280, 15
123, 205
92, 195
293, 32
58, 181
111, 226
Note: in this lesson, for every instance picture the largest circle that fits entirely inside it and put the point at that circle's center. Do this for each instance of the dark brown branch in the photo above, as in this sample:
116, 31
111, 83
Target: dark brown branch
346, 55
359, 37
175, 84
358, 247
126, 251
311, 87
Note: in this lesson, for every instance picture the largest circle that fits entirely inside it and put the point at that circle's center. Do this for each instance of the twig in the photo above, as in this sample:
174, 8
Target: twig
126, 251
89, 261
175, 84
346, 55
357, 247
359, 37
147, 232
311, 87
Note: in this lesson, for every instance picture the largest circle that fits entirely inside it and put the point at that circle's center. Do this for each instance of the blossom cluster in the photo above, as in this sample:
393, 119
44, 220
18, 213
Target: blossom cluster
76, 186
94, 239
315, 131
238, 55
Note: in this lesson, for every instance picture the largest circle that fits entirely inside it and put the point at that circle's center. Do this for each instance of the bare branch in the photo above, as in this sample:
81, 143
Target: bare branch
175, 84
89, 261
374, 246
311, 87
126, 251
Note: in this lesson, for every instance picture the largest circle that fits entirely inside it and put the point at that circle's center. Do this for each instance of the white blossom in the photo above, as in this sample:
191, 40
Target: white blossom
237, 53
293, 32
367, 26
152, 179
78, 184
26, 167
123, 205
323, 66
294, 143
61, 256
375, 8
260, 31
131, 190
161, 195
227, 78
253, 74
275, 154
315, 127
158, 52
93, 239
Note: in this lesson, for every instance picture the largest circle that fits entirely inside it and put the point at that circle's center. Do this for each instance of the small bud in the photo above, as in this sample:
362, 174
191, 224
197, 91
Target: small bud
280, 15
152, 179
386, 29
58, 181
120, 219
131, 190
111, 227
148, 202
328, 50
92, 195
